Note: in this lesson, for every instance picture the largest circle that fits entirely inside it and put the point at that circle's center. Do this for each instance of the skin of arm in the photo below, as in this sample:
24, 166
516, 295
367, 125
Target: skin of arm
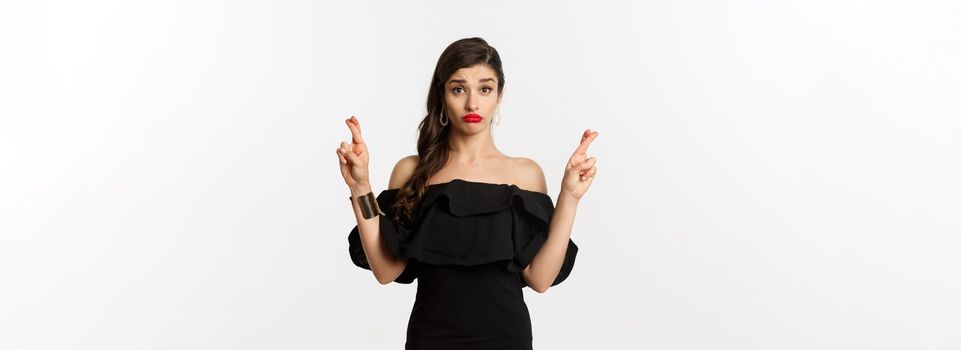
384, 266
545, 266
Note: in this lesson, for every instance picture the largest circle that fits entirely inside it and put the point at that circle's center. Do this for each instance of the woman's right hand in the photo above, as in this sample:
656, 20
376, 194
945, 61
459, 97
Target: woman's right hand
353, 157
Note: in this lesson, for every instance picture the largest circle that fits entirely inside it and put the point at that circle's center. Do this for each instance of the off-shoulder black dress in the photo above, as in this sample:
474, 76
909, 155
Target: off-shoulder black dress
467, 246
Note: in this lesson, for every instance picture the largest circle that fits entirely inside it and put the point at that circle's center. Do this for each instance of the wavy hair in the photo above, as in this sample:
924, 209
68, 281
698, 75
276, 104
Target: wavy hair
433, 146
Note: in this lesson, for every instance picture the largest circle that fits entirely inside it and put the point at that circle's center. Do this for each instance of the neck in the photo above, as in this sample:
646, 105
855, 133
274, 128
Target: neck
466, 149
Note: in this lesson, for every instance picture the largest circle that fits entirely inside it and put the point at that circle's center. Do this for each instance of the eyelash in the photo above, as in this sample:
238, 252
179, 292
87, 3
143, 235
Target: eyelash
486, 87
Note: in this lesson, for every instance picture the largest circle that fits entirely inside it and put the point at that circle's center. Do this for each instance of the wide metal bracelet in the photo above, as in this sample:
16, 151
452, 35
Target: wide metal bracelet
368, 205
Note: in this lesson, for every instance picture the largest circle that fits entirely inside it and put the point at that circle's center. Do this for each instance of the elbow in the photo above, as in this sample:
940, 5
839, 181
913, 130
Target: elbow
540, 288
533, 283
380, 277
383, 278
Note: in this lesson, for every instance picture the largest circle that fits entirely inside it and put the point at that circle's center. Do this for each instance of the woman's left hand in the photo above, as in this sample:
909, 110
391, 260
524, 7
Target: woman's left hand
580, 170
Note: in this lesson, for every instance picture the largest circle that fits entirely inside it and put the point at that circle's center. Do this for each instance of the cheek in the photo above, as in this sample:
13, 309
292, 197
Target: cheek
490, 101
450, 99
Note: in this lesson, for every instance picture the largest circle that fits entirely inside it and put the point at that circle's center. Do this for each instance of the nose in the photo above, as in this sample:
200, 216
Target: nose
471, 102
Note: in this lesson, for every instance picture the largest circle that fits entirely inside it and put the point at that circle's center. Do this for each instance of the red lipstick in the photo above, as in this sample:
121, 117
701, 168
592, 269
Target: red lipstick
473, 118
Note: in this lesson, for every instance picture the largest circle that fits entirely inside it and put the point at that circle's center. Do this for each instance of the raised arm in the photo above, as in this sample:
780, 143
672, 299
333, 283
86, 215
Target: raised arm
354, 167
578, 176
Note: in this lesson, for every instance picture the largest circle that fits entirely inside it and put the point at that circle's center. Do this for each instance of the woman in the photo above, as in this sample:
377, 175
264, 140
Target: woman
472, 224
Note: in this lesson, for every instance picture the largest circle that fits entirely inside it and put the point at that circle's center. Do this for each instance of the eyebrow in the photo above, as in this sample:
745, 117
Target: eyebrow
462, 81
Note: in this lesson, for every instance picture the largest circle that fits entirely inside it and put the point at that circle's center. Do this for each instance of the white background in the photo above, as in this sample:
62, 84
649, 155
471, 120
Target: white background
771, 175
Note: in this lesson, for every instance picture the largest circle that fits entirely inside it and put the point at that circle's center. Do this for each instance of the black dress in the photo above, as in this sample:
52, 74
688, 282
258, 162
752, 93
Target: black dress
467, 245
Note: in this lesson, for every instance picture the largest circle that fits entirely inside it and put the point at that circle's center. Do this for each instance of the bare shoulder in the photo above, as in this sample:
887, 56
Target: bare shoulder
402, 172
529, 176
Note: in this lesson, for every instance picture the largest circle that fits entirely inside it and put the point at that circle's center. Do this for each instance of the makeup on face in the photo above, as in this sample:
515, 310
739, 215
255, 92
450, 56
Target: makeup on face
473, 118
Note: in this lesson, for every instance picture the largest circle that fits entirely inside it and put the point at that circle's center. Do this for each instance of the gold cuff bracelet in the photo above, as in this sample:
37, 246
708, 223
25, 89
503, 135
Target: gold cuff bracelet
368, 205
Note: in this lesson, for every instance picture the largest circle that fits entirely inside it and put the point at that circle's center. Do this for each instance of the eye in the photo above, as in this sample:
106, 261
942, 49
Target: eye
457, 90
488, 88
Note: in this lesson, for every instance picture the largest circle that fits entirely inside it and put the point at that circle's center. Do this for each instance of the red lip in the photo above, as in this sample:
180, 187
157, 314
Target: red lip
472, 118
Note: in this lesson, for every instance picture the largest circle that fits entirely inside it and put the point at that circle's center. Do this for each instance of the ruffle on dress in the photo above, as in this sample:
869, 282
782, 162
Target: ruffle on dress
468, 223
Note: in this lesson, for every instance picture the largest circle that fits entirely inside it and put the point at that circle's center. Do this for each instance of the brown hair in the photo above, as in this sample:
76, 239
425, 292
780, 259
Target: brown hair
433, 145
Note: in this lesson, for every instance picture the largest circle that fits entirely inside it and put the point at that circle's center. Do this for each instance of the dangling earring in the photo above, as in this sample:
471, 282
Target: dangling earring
443, 120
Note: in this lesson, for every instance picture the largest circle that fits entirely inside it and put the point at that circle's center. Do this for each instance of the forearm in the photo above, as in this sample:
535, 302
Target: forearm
384, 266
545, 266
